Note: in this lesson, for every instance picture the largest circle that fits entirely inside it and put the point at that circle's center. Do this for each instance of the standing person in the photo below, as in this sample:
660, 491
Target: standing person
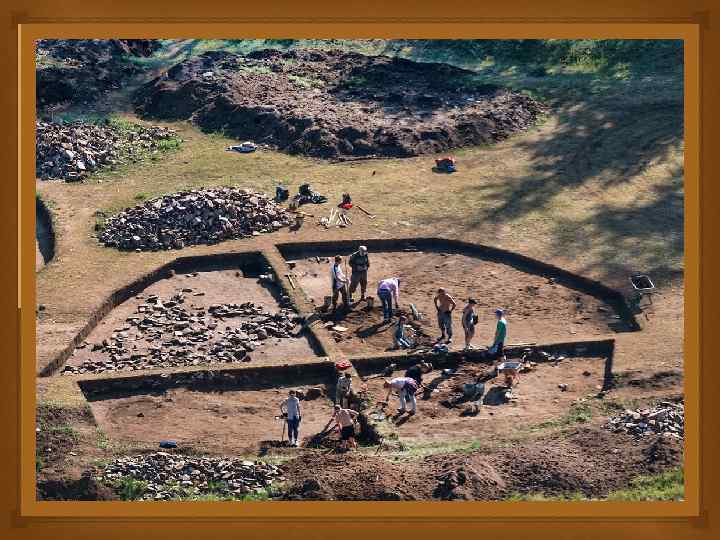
389, 290
291, 408
497, 348
339, 283
445, 304
406, 388
345, 420
343, 390
360, 264
469, 320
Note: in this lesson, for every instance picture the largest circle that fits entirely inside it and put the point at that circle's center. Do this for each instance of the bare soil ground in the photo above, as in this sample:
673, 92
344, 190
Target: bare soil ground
537, 309
443, 414
228, 422
207, 288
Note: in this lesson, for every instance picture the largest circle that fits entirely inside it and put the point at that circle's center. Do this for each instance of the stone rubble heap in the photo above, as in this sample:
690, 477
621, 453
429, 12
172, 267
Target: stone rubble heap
167, 474
178, 336
666, 418
71, 151
205, 216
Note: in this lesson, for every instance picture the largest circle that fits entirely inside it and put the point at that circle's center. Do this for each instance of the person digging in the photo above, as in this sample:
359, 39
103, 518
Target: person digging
343, 390
444, 304
469, 320
405, 388
387, 291
360, 264
290, 409
339, 284
344, 420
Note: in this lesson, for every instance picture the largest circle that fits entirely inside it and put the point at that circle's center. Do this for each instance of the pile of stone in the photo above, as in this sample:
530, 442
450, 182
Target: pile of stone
179, 337
205, 216
666, 418
71, 151
169, 475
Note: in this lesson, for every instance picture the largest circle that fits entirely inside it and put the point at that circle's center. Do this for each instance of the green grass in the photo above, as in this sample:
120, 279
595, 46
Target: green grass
103, 442
130, 489
666, 486
579, 413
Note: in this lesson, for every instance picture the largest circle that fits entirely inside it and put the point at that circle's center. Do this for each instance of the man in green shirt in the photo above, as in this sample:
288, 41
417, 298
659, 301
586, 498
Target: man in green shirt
497, 348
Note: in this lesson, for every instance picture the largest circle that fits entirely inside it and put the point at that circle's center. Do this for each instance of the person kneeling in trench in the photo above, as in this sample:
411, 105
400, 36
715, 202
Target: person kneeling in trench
345, 420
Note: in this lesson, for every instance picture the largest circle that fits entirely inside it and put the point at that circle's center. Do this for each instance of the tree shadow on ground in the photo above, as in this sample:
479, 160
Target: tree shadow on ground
600, 146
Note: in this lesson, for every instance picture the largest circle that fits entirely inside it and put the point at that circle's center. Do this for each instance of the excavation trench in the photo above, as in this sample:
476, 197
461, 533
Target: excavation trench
44, 235
542, 303
122, 333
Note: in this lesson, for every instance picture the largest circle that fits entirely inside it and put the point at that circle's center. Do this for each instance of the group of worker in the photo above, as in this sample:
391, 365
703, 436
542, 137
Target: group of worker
343, 417
388, 292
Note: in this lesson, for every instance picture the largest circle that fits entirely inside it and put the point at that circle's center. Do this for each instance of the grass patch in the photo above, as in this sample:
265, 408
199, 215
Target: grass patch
103, 442
579, 413
666, 486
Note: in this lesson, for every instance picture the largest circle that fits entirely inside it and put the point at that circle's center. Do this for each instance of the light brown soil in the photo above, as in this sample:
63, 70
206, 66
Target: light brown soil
537, 310
219, 287
537, 399
228, 422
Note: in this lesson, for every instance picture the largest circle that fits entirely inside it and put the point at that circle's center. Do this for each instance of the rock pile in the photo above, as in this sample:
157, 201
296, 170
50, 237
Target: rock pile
666, 418
71, 151
172, 335
169, 475
205, 216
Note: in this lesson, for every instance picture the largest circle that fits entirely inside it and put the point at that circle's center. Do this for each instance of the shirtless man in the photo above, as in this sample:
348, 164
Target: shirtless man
445, 304
345, 420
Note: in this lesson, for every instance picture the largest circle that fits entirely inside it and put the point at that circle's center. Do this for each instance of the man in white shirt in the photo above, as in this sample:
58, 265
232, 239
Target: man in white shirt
339, 284
291, 408
343, 390
405, 388
387, 291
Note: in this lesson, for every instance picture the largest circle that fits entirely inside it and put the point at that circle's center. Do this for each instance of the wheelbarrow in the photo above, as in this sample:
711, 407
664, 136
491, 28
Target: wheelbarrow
510, 370
643, 287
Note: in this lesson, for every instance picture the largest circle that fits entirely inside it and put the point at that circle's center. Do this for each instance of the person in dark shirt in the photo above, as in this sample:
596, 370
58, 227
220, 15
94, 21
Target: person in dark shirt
416, 372
360, 264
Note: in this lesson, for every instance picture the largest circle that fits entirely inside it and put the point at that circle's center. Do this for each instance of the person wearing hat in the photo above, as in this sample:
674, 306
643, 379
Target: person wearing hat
360, 264
343, 390
339, 283
469, 320
497, 348
290, 408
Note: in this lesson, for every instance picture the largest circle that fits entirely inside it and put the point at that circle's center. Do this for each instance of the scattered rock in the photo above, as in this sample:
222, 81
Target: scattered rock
167, 473
71, 151
666, 418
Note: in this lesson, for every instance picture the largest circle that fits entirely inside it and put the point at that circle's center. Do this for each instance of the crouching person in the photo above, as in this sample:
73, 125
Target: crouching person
344, 419
401, 340
406, 389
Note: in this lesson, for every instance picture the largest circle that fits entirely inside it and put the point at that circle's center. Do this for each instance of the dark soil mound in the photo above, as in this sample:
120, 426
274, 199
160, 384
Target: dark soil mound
84, 489
331, 104
588, 460
80, 70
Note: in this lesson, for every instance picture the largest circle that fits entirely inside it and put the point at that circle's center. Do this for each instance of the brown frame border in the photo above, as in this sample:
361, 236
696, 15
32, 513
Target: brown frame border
682, 27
